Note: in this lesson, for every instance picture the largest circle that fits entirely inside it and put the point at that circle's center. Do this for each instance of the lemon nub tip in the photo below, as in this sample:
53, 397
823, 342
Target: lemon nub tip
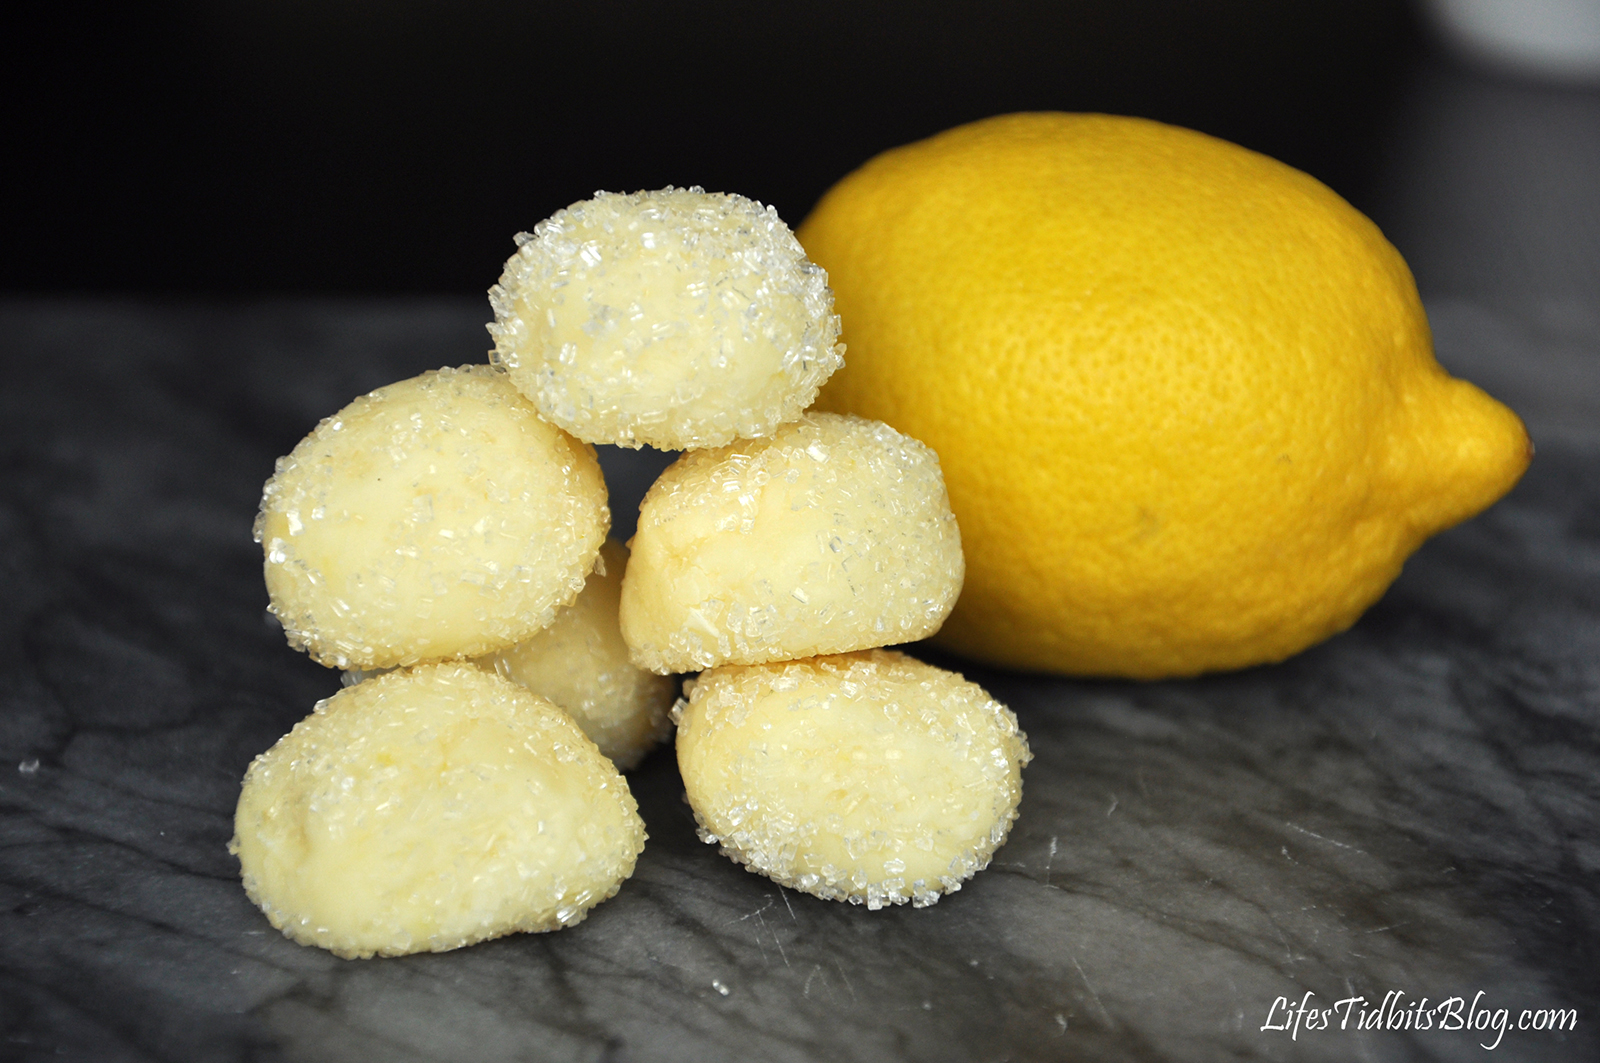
1475, 452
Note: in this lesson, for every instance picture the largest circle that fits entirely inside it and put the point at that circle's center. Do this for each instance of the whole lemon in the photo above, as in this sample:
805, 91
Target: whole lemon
1184, 395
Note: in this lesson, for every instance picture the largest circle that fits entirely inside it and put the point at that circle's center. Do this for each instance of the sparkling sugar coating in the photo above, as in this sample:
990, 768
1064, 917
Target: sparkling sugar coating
834, 535
428, 809
677, 318
868, 777
436, 517
581, 663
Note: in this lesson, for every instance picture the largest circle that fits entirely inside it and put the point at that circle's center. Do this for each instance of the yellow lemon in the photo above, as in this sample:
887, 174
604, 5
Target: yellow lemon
1184, 395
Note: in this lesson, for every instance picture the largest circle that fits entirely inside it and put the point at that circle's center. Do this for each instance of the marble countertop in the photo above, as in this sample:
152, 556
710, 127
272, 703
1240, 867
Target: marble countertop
1410, 810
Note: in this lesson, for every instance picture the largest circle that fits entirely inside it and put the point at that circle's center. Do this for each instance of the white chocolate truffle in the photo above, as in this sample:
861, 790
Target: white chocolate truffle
677, 318
428, 809
868, 777
581, 663
834, 535
436, 517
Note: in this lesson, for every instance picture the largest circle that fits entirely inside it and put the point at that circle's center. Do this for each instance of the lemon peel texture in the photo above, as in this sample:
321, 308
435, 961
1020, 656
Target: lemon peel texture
1184, 395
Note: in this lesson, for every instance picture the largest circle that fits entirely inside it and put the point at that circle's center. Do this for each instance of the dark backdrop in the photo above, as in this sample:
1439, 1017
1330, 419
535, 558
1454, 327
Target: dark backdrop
230, 147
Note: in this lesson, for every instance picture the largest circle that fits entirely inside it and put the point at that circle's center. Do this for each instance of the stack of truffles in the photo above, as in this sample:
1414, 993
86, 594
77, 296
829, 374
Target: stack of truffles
443, 540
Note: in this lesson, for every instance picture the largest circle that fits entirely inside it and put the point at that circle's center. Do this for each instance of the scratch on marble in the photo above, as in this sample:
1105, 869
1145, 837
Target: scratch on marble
1050, 858
847, 984
786, 904
1113, 807
775, 940
1061, 1021
1391, 926
816, 969
759, 945
1323, 837
751, 915
762, 925
1288, 950
1104, 1014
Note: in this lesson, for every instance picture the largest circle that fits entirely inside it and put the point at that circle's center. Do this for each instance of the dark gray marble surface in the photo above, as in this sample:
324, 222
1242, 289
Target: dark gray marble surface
1412, 807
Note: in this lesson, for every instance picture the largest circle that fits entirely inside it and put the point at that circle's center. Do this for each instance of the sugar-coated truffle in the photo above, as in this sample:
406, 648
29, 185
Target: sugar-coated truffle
436, 517
430, 808
581, 663
868, 777
676, 318
834, 535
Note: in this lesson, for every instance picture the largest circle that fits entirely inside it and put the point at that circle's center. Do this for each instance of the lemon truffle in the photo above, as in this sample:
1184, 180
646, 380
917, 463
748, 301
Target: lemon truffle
676, 318
428, 809
834, 535
436, 517
581, 663
868, 777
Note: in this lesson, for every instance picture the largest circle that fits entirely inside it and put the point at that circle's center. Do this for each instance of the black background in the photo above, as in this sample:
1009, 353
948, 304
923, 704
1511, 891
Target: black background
328, 146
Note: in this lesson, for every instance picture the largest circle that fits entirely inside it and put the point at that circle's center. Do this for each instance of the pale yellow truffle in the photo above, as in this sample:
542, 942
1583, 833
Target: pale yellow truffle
868, 777
581, 663
436, 517
834, 535
428, 809
677, 318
